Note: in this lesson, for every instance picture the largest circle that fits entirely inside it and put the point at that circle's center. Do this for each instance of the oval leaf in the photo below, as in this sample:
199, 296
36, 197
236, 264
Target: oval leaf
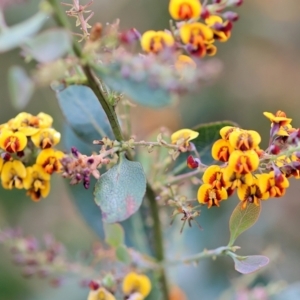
139, 91
49, 45
123, 254
84, 114
242, 219
21, 87
16, 35
120, 191
114, 234
250, 264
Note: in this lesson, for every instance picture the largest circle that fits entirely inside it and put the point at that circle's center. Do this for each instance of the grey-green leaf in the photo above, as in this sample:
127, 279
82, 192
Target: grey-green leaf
242, 219
21, 87
49, 45
120, 191
249, 264
16, 35
114, 234
139, 91
84, 113
123, 254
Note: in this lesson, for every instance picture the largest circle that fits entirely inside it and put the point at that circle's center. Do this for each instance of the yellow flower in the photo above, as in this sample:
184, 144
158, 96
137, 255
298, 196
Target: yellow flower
214, 176
226, 131
244, 140
207, 194
100, 294
184, 61
156, 41
46, 138
197, 36
211, 49
13, 174
183, 136
235, 179
251, 194
221, 150
12, 142
49, 159
223, 33
135, 283
273, 185
185, 9
243, 162
279, 118
37, 182
29, 124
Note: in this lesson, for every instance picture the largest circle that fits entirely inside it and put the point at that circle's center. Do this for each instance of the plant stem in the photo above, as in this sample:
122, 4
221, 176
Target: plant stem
158, 237
199, 256
93, 83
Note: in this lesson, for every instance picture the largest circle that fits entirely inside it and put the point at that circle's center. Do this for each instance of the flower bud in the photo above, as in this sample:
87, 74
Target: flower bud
231, 16
274, 149
193, 163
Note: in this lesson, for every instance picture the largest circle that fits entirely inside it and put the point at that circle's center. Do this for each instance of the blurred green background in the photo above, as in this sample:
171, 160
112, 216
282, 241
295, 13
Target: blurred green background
261, 72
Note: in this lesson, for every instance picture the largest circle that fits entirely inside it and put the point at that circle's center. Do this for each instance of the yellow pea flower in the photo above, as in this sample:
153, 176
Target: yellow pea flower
37, 182
243, 162
185, 9
210, 195
279, 118
100, 294
221, 150
13, 174
222, 34
156, 41
183, 136
244, 140
49, 159
251, 193
46, 138
136, 284
12, 142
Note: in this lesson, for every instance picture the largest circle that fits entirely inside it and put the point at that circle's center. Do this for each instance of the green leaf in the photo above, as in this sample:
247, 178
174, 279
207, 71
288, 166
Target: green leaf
49, 45
114, 234
84, 113
120, 191
208, 134
249, 264
123, 254
242, 219
21, 87
18, 34
139, 91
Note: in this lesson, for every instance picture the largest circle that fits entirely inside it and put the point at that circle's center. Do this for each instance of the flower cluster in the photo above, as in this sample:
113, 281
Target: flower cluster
190, 36
134, 287
255, 174
28, 158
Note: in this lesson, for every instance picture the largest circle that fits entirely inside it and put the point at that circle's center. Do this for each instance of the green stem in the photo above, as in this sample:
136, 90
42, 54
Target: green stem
158, 237
225, 250
93, 83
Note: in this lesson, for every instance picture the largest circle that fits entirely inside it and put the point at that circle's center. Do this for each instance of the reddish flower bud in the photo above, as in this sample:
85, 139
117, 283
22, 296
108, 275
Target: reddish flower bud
129, 36
193, 163
205, 13
93, 285
231, 16
274, 149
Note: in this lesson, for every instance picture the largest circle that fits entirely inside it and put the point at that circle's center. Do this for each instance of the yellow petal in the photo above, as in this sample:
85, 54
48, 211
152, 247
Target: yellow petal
184, 134
184, 9
189, 31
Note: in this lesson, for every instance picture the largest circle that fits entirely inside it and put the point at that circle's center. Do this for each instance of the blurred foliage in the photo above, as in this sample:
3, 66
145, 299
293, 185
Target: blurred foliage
261, 72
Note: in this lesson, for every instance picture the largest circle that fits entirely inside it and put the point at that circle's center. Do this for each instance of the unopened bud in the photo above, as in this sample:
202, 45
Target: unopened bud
205, 13
129, 36
231, 16
274, 149
96, 32
193, 163
93, 285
